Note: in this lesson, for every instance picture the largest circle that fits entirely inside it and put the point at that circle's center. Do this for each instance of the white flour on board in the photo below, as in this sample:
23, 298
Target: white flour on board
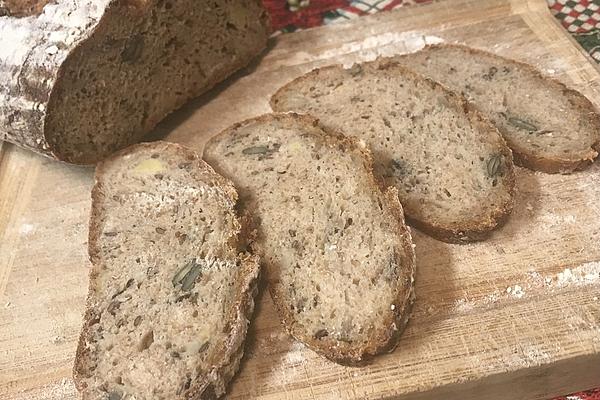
524, 355
62, 390
585, 274
551, 219
295, 354
385, 44
515, 291
26, 229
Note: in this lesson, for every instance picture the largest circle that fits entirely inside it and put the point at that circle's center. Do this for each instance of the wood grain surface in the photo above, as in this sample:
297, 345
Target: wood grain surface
515, 317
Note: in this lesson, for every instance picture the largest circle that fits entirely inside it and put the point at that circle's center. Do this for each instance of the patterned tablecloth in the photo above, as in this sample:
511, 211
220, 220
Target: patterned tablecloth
581, 18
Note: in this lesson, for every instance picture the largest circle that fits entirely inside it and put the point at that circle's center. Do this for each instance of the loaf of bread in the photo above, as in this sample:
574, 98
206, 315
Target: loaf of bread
171, 288
452, 169
549, 127
339, 258
81, 79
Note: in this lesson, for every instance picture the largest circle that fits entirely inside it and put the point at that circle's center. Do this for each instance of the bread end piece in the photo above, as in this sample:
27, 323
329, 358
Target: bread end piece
145, 332
141, 62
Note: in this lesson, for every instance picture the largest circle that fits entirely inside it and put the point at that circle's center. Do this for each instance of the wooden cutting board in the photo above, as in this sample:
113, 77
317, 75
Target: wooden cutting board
517, 316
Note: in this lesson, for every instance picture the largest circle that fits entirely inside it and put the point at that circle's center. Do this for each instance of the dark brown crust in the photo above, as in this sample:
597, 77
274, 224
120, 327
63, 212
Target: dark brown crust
225, 366
469, 230
522, 157
393, 326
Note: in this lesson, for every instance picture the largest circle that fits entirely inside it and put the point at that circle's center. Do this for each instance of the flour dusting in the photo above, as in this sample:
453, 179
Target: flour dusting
515, 291
583, 275
295, 354
26, 229
463, 305
61, 390
386, 44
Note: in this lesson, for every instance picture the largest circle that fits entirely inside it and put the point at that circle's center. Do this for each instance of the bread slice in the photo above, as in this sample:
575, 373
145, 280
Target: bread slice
338, 255
171, 289
549, 127
453, 171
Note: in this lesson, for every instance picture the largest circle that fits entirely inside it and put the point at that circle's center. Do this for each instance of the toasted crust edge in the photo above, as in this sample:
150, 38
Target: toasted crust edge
213, 385
394, 325
471, 231
550, 165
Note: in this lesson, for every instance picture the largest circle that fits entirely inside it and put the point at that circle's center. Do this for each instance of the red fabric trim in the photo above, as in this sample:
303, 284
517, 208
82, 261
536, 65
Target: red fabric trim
308, 17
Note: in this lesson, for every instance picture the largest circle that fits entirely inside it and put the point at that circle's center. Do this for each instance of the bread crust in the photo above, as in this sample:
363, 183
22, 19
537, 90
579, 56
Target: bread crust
213, 384
470, 230
522, 156
393, 326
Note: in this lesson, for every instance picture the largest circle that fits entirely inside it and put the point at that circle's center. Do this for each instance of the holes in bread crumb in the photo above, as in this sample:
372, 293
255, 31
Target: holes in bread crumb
321, 333
348, 222
315, 301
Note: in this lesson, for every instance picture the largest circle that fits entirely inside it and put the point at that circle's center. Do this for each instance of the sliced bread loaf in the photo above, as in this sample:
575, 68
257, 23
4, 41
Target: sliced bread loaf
171, 289
338, 256
549, 127
80, 79
453, 171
